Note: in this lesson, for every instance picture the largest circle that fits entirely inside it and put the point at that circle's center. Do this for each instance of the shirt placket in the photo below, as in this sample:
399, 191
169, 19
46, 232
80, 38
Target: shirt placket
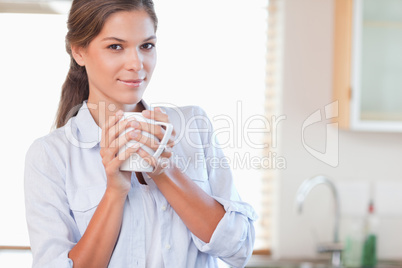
165, 223
137, 243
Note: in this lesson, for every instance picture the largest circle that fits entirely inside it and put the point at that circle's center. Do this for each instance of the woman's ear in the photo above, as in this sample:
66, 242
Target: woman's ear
78, 55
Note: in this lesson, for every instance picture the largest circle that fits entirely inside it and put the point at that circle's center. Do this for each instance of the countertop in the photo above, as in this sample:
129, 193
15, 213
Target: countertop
267, 262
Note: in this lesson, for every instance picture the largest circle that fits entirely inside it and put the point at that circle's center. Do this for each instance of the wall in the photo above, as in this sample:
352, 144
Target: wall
365, 158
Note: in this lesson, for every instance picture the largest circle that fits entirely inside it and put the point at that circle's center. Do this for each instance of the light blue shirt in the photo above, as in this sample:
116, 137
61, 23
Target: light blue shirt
65, 181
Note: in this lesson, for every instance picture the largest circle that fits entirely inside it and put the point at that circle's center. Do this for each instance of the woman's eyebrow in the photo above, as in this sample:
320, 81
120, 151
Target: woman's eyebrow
150, 38
124, 41
115, 39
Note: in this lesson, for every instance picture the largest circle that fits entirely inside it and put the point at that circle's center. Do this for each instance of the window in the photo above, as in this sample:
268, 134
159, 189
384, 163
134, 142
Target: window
33, 67
215, 54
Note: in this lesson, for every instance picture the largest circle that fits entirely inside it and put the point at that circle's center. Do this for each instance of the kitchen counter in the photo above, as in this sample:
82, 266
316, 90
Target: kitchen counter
262, 261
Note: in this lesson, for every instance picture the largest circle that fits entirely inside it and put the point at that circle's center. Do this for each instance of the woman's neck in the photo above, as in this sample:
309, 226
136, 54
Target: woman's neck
101, 111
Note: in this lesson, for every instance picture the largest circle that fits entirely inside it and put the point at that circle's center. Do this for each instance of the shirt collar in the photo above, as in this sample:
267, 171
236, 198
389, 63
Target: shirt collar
89, 133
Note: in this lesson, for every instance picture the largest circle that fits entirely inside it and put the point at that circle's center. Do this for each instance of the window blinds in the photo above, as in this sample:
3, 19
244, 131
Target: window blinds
264, 237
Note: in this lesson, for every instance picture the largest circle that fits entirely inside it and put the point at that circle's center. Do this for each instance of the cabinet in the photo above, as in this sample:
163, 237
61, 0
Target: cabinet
367, 77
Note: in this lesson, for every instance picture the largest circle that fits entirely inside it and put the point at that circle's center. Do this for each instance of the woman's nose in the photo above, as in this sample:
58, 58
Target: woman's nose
134, 61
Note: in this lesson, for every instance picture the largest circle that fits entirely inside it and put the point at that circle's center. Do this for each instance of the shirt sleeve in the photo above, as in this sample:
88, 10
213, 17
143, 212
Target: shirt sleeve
52, 229
233, 238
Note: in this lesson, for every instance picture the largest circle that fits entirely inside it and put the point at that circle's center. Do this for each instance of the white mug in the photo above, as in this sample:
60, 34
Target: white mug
135, 162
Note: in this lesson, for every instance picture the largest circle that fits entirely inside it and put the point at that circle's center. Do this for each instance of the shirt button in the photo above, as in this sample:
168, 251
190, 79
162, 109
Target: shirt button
167, 246
164, 208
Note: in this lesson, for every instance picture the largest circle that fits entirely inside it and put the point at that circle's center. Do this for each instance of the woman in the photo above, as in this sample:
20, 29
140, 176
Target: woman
82, 211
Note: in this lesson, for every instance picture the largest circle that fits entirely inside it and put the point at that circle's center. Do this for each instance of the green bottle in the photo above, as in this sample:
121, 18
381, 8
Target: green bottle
369, 255
353, 244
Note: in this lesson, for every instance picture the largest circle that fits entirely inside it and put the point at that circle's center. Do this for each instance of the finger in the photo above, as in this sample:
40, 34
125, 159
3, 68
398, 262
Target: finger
152, 142
147, 157
116, 130
153, 129
109, 149
167, 153
158, 115
158, 165
170, 143
110, 152
122, 140
164, 118
147, 140
112, 121
158, 132
123, 156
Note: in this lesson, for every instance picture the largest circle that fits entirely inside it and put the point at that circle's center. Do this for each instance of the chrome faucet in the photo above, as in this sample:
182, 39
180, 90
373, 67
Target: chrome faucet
302, 193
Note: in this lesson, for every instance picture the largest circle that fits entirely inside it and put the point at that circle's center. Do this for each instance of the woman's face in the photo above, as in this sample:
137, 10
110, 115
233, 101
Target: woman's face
121, 59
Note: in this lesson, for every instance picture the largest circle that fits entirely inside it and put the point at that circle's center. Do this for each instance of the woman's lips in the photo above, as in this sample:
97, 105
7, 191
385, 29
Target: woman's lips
132, 83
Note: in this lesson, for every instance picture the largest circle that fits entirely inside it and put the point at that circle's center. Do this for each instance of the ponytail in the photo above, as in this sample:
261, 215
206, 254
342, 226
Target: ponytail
74, 91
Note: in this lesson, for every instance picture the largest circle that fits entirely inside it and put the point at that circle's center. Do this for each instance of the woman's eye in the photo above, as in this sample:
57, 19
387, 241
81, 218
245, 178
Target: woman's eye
115, 47
148, 46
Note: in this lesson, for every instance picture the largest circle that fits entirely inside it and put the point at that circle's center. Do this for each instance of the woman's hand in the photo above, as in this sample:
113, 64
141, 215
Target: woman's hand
164, 160
117, 181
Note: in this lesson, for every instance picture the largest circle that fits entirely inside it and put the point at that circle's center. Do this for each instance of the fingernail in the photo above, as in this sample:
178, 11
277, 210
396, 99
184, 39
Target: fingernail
146, 113
119, 112
134, 124
135, 133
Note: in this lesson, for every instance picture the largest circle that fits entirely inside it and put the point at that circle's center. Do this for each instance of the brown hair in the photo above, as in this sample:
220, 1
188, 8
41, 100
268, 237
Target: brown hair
85, 22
